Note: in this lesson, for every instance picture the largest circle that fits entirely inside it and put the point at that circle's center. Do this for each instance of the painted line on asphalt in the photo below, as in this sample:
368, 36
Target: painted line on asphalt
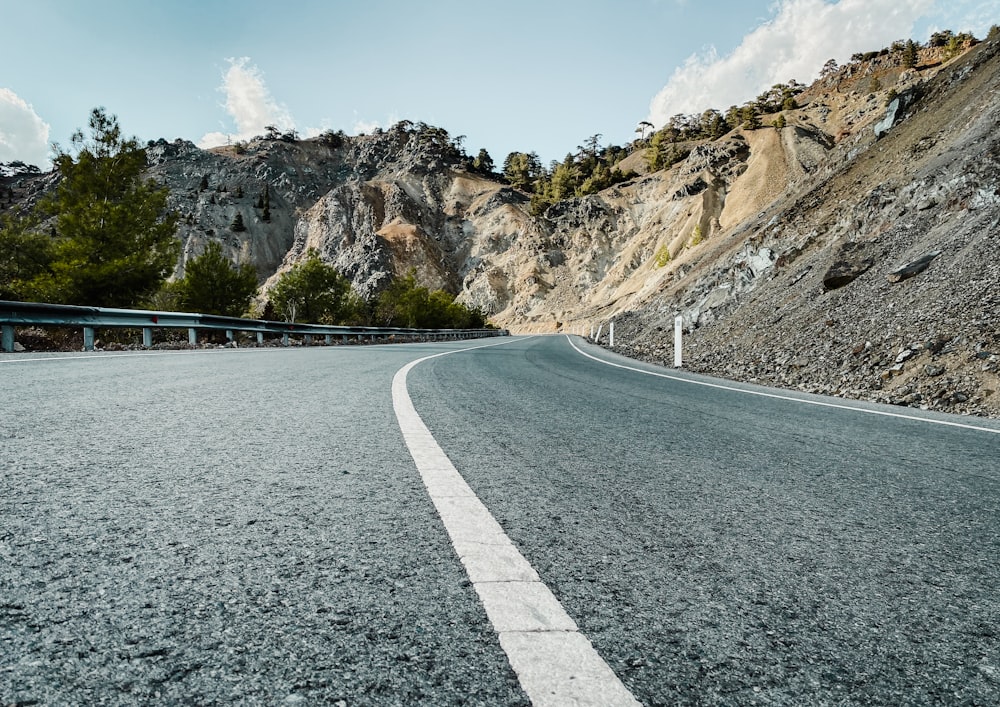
779, 396
556, 665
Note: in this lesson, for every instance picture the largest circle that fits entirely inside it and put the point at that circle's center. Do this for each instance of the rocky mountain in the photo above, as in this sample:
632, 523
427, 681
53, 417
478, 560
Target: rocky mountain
785, 249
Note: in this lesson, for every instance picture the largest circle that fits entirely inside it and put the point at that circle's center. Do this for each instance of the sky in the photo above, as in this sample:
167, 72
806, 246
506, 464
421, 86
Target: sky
517, 75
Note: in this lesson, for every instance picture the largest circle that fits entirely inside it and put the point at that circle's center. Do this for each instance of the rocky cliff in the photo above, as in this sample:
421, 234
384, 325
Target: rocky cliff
778, 246
869, 271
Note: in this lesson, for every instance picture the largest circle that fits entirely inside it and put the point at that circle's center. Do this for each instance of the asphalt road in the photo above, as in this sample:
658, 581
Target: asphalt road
249, 526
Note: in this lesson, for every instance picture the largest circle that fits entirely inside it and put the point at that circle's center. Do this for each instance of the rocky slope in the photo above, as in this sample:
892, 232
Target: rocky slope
773, 244
803, 293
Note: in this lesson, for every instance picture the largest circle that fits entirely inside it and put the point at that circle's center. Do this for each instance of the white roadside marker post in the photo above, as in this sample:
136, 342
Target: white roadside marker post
597, 338
678, 333
611, 335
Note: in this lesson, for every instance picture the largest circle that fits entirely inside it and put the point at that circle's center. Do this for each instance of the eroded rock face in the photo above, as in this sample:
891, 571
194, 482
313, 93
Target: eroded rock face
836, 313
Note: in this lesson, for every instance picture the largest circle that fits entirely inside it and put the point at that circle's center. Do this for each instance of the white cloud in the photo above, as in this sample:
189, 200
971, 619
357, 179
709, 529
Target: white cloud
976, 16
23, 135
368, 126
795, 44
365, 126
249, 104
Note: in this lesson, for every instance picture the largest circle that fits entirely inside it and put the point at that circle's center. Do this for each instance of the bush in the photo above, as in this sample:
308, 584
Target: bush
214, 285
662, 256
312, 292
406, 304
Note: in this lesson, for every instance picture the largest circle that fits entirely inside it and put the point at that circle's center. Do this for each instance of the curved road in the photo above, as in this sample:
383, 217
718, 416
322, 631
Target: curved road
250, 526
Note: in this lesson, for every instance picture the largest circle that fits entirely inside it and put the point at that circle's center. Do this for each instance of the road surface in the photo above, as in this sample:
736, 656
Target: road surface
252, 526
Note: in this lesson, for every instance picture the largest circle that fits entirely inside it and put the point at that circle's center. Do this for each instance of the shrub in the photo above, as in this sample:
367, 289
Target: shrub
662, 256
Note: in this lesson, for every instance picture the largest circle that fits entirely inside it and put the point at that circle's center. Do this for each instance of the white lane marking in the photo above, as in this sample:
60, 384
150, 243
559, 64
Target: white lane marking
779, 396
556, 665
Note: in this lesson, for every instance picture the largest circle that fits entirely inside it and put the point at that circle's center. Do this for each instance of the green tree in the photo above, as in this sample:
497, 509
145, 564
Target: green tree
654, 153
212, 284
521, 169
941, 39
237, 224
909, 58
115, 240
25, 258
483, 162
599, 179
405, 303
313, 292
562, 184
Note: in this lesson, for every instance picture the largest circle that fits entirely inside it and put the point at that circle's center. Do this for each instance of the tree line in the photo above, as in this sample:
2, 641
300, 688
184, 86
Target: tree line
105, 237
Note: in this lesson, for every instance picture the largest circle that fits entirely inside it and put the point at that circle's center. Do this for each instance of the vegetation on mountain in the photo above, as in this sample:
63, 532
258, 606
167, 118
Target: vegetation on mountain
313, 292
405, 303
111, 237
25, 256
212, 284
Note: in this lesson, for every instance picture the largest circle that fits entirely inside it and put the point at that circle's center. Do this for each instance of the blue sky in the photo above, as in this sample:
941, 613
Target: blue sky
523, 75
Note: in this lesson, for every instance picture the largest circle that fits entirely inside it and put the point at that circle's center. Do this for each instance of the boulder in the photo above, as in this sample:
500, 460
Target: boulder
895, 112
914, 268
849, 264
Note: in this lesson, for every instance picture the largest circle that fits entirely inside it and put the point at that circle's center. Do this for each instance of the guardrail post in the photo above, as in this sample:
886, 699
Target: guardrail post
8, 338
229, 334
678, 333
192, 336
329, 339
88, 338
260, 338
147, 337
284, 339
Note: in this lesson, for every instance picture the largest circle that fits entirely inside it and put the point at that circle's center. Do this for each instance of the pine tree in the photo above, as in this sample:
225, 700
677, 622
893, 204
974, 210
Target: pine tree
237, 224
214, 285
115, 237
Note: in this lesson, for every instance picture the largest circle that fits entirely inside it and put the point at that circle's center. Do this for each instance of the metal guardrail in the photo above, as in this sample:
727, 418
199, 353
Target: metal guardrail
32, 314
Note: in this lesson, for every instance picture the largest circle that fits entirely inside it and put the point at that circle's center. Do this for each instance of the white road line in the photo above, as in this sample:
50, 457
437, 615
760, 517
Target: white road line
779, 396
555, 663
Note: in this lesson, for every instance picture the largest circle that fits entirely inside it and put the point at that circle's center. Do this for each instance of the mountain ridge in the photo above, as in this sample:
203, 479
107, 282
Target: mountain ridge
774, 243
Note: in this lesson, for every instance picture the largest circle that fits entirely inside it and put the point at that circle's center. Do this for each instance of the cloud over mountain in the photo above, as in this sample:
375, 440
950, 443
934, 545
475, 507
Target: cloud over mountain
795, 44
24, 135
249, 103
